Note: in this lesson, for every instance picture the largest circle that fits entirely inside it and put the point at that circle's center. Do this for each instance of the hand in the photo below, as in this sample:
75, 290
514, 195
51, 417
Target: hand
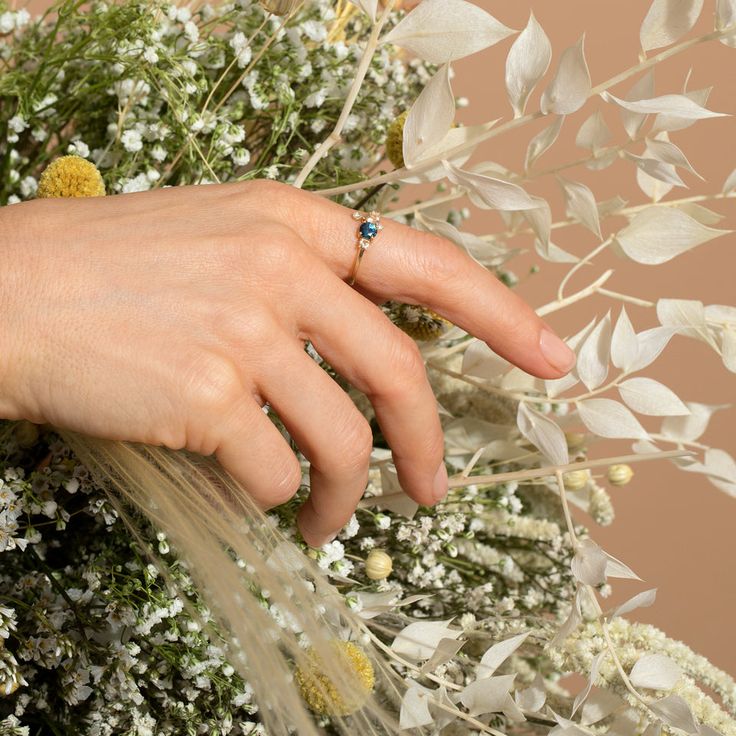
171, 317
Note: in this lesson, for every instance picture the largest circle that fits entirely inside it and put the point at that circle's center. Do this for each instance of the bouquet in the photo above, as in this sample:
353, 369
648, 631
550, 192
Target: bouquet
141, 589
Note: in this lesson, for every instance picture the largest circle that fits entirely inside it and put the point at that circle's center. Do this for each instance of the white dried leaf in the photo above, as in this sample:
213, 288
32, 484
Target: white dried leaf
647, 396
488, 695
675, 711
642, 90
592, 358
430, 117
583, 694
676, 105
655, 671
368, 6
724, 313
593, 133
668, 153
580, 204
702, 214
419, 640
556, 386
657, 234
526, 64
617, 569
415, 708
728, 348
554, 254
656, 169
611, 206
488, 192
664, 122
691, 427
497, 654
444, 30
624, 345
730, 184
540, 219
688, 315
569, 624
542, 142
532, 698
598, 706
589, 563
651, 343
668, 20
446, 650
544, 433
655, 189
481, 361
725, 18
640, 600
609, 418
570, 88
396, 499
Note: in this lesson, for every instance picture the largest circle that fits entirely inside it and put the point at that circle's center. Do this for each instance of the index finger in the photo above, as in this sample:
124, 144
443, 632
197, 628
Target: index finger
416, 267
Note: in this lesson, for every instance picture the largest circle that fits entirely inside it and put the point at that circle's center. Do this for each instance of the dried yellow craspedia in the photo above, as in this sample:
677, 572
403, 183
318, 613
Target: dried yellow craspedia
319, 692
576, 479
378, 565
620, 475
418, 322
71, 176
395, 141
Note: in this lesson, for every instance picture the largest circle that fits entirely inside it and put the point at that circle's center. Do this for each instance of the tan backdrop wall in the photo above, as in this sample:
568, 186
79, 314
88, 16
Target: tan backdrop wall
674, 528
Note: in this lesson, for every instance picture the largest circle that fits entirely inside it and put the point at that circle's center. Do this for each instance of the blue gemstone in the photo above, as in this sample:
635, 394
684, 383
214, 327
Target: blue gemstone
369, 230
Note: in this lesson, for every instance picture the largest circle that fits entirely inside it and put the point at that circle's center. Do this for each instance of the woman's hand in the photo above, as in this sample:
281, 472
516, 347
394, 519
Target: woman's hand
170, 317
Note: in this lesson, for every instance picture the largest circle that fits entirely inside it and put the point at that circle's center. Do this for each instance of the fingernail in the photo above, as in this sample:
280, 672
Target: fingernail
439, 485
557, 354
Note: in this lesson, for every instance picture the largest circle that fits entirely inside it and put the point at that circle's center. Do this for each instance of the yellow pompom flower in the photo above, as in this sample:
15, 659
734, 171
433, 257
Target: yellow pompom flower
395, 141
71, 176
417, 321
320, 693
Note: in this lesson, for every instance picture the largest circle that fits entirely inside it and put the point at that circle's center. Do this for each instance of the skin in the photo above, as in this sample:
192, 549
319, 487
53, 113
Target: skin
171, 317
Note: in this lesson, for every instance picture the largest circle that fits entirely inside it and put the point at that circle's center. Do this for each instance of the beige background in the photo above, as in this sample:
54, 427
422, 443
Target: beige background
674, 528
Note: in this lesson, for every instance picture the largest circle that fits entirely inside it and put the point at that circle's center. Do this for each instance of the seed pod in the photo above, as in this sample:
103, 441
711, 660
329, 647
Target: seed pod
378, 565
280, 7
575, 479
619, 475
574, 440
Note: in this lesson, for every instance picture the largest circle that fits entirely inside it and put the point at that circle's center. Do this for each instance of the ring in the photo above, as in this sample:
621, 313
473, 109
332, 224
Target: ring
369, 227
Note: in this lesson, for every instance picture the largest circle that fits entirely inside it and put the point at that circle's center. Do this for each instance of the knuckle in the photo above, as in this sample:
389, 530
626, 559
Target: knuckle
406, 362
209, 382
433, 260
356, 444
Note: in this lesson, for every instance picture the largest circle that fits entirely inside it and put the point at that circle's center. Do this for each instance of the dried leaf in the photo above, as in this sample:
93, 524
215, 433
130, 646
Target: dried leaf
583, 694
598, 706
688, 315
592, 358
488, 192
593, 133
556, 386
655, 189
655, 671
540, 219
651, 343
430, 117
543, 433
668, 153
658, 234
642, 90
440, 31
676, 105
609, 418
640, 600
656, 169
526, 64
730, 184
415, 708
728, 348
497, 654
624, 345
702, 214
725, 18
581, 205
550, 252
542, 141
532, 698
570, 88
368, 6
488, 695
419, 640
647, 396
664, 122
675, 711
668, 20
446, 650
691, 427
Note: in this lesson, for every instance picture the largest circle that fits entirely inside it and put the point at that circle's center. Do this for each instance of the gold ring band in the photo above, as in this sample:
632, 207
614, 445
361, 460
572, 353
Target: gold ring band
368, 229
